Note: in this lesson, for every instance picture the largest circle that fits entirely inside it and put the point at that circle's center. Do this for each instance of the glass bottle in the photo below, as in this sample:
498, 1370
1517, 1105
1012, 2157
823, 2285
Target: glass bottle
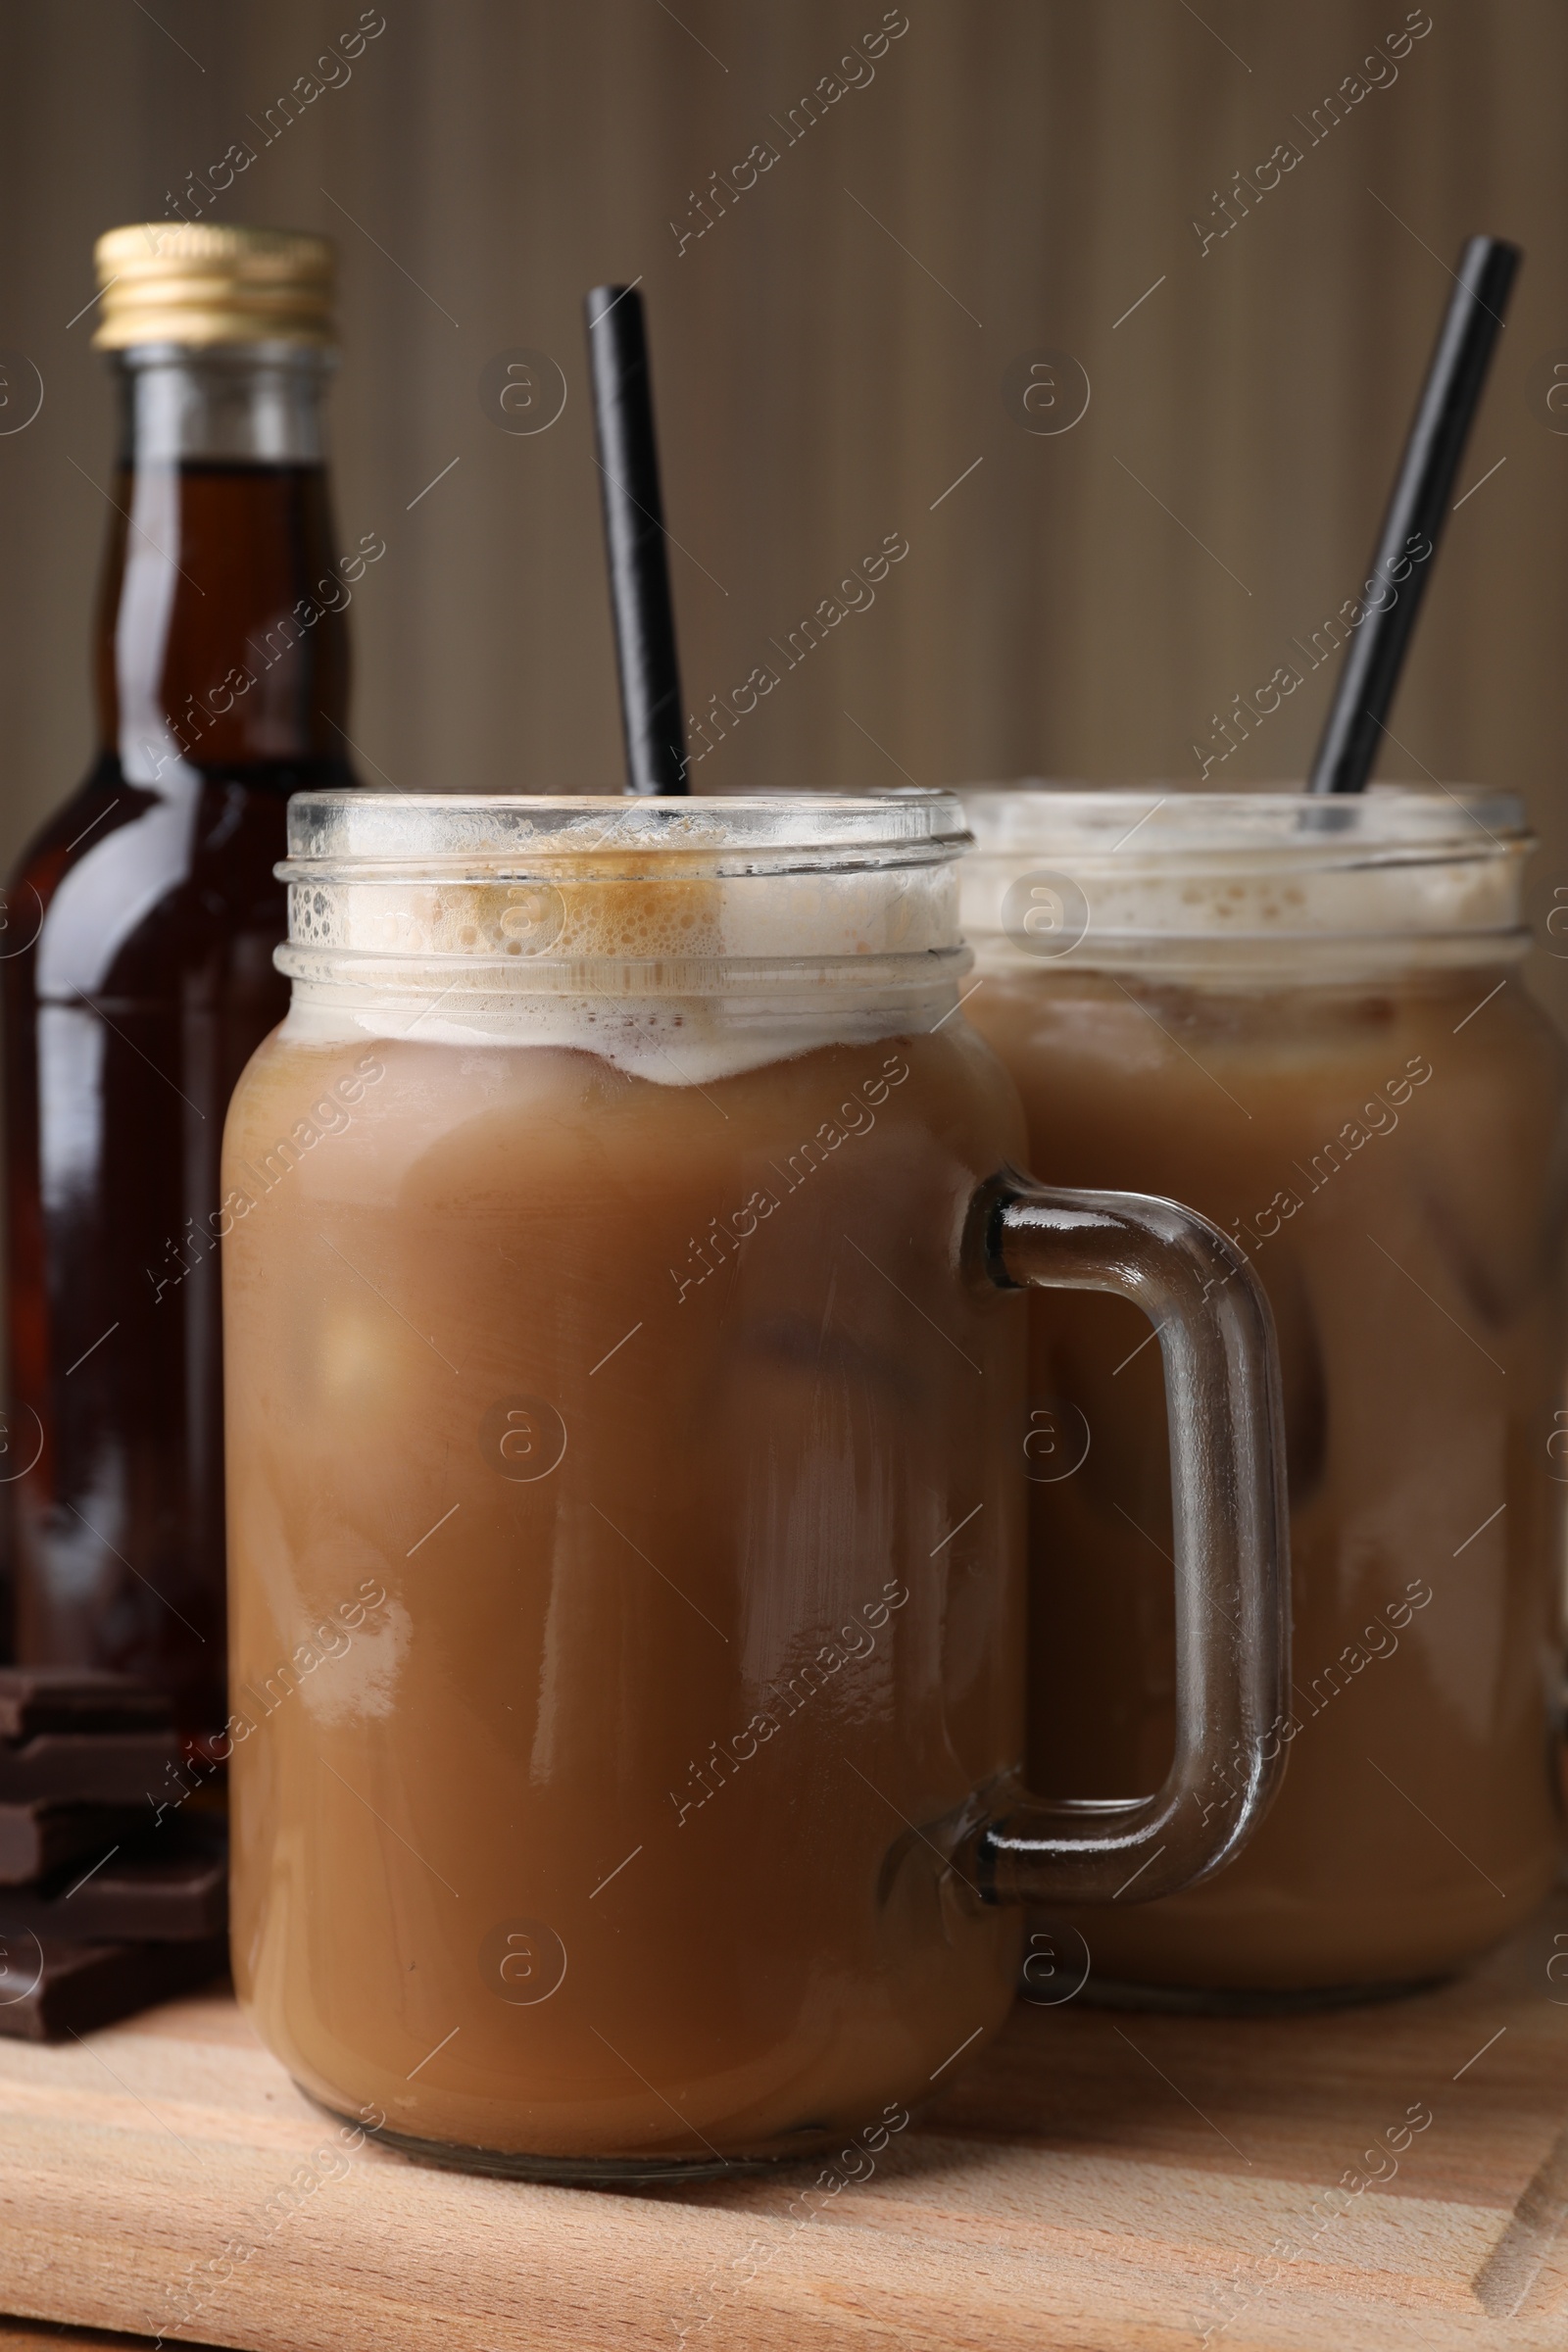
146, 914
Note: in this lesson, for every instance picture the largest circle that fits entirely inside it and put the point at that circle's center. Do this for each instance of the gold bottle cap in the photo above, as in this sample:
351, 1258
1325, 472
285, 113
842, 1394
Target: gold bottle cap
178, 282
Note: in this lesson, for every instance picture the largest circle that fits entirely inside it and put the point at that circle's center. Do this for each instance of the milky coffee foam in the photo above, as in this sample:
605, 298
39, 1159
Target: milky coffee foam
683, 941
1277, 873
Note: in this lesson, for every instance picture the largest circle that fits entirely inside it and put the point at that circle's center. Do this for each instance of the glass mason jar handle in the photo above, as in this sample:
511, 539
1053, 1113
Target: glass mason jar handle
1227, 1445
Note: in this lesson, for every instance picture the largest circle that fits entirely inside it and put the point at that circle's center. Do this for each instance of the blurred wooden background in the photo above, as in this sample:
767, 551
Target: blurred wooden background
1008, 175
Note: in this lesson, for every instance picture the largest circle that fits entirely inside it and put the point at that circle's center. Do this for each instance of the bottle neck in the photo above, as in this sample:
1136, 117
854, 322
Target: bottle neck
236, 404
221, 643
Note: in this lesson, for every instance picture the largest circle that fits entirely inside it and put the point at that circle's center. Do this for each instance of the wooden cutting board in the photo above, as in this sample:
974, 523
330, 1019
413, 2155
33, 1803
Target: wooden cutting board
43, 2335
1101, 2179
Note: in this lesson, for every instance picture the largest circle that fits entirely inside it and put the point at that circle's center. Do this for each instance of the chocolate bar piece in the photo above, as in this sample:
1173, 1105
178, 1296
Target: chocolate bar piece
39, 1839
92, 1768
74, 1699
49, 1990
170, 1886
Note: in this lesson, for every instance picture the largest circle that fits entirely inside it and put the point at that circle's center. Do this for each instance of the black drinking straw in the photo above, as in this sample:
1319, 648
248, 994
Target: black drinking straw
634, 541
1417, 511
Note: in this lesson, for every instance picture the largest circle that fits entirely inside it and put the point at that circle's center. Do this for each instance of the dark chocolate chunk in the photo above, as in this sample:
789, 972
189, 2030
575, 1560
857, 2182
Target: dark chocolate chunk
74, 1698
49, 1990
39, 1839
170, 1884
94, 1767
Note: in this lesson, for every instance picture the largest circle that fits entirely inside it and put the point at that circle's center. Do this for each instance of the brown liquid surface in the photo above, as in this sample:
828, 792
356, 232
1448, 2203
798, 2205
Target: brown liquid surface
608, 1653
1417, 1288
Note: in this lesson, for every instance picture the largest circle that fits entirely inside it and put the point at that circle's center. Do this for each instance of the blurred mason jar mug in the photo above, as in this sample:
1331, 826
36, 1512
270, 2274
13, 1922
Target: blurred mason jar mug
626, 1377
1306, 1018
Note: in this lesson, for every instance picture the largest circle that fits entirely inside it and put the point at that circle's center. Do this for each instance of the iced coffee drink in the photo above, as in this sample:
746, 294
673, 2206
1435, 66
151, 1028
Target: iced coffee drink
1310, 1022
627, 1512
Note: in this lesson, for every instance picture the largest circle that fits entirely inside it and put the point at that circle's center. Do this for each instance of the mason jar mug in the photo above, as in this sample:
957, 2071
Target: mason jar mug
624, 1253
1308, 1018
